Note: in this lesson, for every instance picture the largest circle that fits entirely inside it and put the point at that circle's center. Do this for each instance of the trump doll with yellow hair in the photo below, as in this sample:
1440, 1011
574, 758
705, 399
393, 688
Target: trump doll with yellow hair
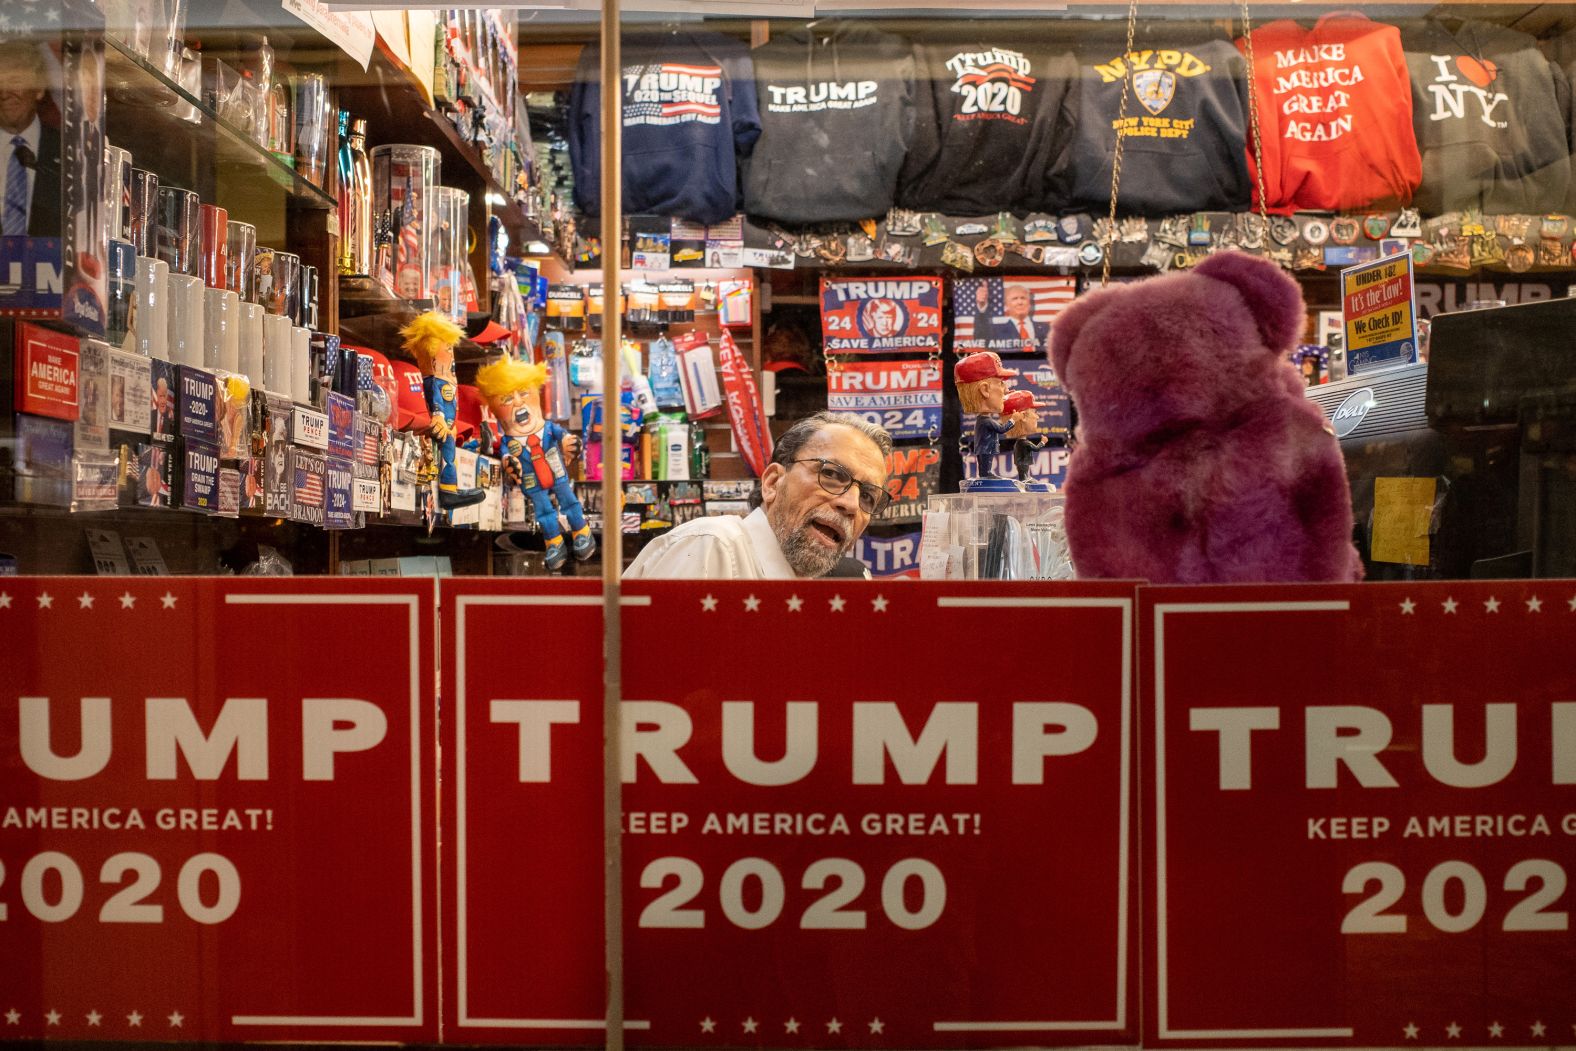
430, 339
539, 446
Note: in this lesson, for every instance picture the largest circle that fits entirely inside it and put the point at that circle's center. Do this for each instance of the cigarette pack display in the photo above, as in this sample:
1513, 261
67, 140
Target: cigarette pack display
200, 476
198, 404
130, 379
309, 427
47, 374
162, 399
150, 474
42, 460
276, 455
305, 471
366, 494
229, 493
92, 433
339, 480
341, 425
52, 245
94, 482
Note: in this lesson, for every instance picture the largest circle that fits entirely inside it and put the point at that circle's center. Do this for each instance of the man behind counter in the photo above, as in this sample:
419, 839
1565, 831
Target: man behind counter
826, 481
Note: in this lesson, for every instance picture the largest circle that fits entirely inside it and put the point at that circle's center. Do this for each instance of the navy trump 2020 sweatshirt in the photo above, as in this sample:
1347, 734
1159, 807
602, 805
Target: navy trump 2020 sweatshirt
689, 114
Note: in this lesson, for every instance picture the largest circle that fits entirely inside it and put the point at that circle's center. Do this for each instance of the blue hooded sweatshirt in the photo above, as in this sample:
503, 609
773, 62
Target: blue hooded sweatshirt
689, 115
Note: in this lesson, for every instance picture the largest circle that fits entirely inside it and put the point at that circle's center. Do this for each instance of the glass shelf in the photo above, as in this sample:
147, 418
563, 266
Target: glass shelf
133, 84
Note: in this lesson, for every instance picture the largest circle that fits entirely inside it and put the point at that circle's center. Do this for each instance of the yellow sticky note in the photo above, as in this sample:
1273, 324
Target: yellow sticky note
1403, 512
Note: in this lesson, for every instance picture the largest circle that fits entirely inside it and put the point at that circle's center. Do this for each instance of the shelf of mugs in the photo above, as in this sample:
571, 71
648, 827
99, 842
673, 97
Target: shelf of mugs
143, 98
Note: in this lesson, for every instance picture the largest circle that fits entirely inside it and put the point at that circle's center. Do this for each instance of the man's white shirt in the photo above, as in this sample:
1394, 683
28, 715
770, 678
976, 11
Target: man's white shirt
726, 547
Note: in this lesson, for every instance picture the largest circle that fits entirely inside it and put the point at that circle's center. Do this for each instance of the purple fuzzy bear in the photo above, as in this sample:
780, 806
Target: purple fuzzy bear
1199, 460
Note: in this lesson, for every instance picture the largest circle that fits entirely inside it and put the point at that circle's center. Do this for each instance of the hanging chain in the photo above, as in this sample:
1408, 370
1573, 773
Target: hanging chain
1253, 111
1121, 136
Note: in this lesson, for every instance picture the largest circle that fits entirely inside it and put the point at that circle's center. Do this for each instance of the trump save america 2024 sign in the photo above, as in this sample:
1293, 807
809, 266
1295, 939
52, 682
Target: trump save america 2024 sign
877, 315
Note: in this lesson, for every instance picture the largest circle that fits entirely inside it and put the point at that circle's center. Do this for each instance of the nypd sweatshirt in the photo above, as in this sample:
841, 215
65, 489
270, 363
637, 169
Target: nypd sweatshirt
993, 119
689, 114
1335, 114
1487, 107
1185, 130
837, 112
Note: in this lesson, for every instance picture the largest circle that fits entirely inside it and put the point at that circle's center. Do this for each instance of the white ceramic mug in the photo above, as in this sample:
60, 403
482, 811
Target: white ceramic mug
301, 365
186, 324
276, 354
251, 351
221, 317
151, 326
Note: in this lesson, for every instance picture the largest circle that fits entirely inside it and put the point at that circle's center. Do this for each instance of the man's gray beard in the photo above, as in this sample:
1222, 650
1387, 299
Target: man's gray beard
805, 555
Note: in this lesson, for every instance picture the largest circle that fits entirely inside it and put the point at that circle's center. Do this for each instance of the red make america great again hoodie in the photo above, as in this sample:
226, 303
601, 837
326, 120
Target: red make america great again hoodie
1335, 114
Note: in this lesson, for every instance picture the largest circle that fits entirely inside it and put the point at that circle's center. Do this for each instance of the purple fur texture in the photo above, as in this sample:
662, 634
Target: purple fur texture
1199, 460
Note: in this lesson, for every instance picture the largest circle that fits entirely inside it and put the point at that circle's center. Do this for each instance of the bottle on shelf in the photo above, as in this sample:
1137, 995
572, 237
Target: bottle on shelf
355, 197
700, 453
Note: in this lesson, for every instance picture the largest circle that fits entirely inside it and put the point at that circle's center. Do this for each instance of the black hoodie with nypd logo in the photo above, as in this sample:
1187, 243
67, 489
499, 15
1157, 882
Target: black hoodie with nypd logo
837, 112
1487, 111
992, 121
1184, 133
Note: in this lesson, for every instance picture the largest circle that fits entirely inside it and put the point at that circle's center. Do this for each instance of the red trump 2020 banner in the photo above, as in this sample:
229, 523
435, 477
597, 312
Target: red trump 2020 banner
1362, 818
217, 810
846, 822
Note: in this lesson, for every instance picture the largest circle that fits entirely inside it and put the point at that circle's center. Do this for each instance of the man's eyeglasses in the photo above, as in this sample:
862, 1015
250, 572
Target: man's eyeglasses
835, 479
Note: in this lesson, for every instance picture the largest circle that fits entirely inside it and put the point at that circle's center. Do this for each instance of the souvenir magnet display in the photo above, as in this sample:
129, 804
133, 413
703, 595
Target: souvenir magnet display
1090, 253
1283, 229
1198, 231
989, 252
1133, 230
535, 451
1376, 225
957, 256
1345, 230
1408, 224
1251, 230
902, 223
1315, 231
431, 339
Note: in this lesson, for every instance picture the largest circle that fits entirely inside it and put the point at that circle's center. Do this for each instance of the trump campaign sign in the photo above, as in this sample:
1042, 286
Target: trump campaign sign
216, 822
876, 315
850, 851
1361, 814
904, 397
